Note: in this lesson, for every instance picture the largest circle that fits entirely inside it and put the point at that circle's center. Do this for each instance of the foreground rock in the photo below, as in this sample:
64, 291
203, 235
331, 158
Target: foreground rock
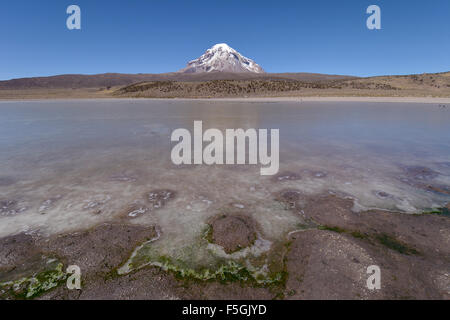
98, 252
330, 262
326, 258
233, 232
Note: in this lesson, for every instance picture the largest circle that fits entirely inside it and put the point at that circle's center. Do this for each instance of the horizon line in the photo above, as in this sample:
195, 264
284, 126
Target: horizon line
251, 73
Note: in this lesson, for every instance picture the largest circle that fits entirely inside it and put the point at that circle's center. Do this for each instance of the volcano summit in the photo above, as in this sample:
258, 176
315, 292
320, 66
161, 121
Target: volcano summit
222, 57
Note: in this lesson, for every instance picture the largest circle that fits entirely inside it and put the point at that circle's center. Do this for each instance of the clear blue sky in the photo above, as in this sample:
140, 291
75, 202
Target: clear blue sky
155, 36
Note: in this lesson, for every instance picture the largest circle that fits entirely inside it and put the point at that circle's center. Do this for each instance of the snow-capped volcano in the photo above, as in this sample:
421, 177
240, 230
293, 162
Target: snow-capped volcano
222, 57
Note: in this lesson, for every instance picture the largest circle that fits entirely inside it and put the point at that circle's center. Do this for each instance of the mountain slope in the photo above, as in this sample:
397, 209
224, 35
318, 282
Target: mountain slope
223, 58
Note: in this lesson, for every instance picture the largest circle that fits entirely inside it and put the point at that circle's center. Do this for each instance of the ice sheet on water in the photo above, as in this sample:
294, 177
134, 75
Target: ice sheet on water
106, 166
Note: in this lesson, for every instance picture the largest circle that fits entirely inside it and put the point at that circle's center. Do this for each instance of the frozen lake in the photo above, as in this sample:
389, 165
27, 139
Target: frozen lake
67, 165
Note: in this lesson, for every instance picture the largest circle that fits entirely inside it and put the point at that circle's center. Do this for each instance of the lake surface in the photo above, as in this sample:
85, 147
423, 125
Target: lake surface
66, 165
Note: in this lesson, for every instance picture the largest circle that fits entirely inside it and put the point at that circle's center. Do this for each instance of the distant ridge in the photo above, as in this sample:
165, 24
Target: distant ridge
78, 81
224, 84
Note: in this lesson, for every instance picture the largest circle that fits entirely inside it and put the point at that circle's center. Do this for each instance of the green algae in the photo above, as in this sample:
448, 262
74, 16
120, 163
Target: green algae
359, 235
382, 238
36, 284
223, 270
394, 244
334, 229
261, 264
353, 233
201, 262
439, 211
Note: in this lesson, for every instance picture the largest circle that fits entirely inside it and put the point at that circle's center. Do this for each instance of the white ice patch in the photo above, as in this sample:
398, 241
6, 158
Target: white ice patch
259, 247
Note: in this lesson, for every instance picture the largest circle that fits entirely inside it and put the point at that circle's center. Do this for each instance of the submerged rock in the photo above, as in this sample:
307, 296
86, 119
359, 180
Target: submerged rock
238, 205
123, 178
286, 176
137, 211
233, 232
315, 173
49, 203
158, 198
96, 202
319, 174
290, 198
438, 189
420, 177
11, 208
382, 194
420, 173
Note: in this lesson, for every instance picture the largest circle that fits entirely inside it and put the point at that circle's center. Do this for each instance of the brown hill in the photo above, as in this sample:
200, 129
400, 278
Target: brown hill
219, 84
437, 85
77, 81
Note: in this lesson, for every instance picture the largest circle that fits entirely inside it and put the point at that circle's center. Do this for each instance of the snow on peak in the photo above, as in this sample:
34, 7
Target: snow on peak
222, 46
221, 57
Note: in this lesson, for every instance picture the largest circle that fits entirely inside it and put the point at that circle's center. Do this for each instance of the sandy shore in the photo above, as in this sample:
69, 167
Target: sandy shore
330, 99
263, 99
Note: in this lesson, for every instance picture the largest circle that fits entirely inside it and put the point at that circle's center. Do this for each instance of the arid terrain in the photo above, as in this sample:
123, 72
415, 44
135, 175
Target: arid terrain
326, 258
224, 85
430, 85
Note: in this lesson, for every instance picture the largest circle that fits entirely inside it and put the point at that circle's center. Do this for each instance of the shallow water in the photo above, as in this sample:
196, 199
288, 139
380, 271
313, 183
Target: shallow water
67, 165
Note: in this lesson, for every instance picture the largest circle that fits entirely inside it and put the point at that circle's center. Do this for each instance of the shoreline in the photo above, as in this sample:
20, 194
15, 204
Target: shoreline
258, 99
330, 237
